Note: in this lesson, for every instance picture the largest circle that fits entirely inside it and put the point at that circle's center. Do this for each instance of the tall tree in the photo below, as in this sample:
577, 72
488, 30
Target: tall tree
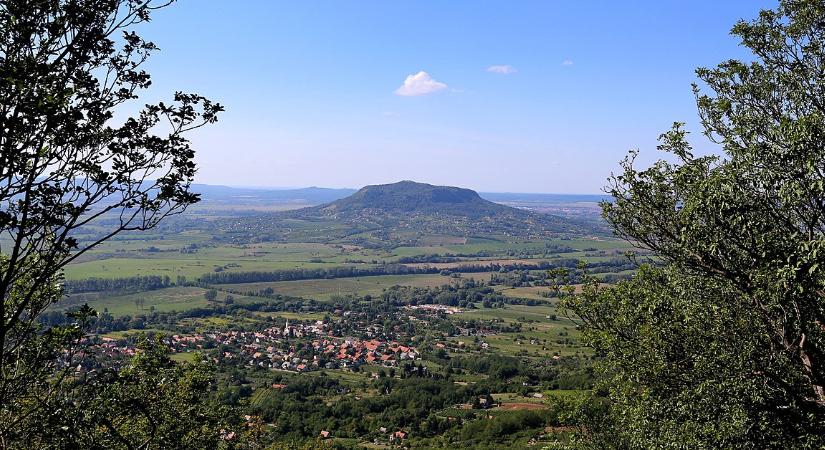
724, 345
68, 69
149, 402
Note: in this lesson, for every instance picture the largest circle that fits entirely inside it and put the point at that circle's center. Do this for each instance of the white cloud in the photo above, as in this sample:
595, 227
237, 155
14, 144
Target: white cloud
420, 83
567, 62
503, 69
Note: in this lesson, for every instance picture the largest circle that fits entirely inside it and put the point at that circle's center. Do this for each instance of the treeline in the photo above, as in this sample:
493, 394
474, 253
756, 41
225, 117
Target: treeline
390, 269
549, 248
153, 282
105, 322
310, 274
134, 284
463, 296
434, 258
516, 276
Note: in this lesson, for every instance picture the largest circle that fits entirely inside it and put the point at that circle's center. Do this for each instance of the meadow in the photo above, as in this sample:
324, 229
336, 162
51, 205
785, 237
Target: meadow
191, 254
325, 289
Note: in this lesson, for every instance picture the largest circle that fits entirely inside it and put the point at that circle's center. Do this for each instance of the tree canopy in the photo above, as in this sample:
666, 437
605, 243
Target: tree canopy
722, 343
75, 170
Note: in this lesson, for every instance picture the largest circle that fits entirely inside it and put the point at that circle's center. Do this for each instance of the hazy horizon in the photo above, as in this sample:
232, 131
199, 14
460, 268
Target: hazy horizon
355, 188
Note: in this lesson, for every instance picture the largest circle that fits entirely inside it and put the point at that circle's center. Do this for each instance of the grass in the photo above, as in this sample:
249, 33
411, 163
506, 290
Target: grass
506, 344
292, 315
131, 332
508, 312
191, 268
512, 397
131, 257
344, 376
535, 326
129, 254
563, 393
183, 357
533, 293
163, 300
324, 289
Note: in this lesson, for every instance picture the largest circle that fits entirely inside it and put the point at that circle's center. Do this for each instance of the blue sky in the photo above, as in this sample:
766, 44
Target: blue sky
312, 88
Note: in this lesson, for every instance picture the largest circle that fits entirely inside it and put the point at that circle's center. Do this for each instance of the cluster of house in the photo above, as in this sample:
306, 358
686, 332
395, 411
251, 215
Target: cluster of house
271, 348
330, 353
374, 351
446, 309
296, 347
109, 349
246, 339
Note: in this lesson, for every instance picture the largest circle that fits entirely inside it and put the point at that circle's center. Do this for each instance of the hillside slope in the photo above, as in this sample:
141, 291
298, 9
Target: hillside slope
410, 213
407, 197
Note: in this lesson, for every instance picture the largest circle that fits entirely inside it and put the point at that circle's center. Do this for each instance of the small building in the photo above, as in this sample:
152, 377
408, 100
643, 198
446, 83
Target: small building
398, 436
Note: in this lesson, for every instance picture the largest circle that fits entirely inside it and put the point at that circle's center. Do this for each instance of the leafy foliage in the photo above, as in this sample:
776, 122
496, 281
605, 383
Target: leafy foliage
725, 346
67, 162
151, 400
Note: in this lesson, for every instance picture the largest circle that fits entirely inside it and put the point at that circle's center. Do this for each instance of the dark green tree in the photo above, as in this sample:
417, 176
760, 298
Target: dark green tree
723, 345
151, 402
68, 162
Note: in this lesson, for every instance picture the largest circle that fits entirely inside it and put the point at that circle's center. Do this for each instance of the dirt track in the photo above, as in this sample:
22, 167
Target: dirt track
519, 406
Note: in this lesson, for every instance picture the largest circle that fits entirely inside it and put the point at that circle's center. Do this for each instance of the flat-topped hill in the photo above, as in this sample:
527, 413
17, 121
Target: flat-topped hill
403, 214
412, 197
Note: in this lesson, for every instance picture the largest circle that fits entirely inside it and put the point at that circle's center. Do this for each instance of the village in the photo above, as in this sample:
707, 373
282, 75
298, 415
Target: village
296, 347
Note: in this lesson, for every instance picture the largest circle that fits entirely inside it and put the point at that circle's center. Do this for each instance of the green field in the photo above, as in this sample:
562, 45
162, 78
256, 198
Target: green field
191, 254
325, 289
163, 255
191, 268
161, 300
546, 333
292, 315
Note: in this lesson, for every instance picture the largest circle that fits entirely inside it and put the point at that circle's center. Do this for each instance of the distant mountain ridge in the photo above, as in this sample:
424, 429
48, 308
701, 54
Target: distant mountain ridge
211, 193
311, 195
